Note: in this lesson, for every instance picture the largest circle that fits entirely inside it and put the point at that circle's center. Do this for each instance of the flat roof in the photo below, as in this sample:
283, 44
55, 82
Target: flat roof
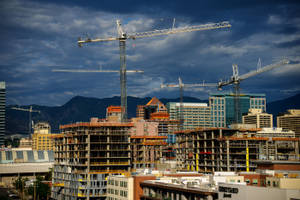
294, 162
181, 188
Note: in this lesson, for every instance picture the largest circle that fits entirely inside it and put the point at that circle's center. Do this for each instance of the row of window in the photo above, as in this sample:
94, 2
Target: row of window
117, 192
117, 183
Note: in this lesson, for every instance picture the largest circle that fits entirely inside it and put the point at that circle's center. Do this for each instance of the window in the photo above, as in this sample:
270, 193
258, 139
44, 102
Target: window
254, 181
41, 155
247, 181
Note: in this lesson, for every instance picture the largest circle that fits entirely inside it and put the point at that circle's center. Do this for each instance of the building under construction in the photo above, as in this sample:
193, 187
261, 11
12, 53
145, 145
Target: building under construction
224, 149
85, 153
147, 150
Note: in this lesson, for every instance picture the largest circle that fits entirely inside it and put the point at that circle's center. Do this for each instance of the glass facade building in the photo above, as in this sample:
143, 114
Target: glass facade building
222, 107
194, 114
2, 112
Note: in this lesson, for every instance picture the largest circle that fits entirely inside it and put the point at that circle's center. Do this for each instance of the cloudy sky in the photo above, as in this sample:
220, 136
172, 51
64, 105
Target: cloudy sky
38, 36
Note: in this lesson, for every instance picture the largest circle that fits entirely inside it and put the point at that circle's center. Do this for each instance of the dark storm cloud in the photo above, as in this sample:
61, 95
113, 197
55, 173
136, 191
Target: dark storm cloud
290, 44
38, 36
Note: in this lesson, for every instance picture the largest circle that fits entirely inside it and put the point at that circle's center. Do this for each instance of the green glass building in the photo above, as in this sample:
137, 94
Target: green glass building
222, 107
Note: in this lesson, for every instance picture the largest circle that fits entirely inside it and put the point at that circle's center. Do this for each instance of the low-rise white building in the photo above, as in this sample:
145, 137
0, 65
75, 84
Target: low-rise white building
119, 187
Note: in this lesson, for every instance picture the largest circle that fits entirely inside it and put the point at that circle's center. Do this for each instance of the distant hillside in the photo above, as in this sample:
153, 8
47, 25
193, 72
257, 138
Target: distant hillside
83, 108
77, 109
281, 106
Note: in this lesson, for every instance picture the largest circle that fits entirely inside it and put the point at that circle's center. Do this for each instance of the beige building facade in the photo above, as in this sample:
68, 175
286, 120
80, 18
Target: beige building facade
120, 187
257, 117
290, 121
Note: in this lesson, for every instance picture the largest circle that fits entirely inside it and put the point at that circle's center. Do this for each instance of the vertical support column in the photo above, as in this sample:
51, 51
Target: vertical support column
220, 162
227, 152
88, 164
275, 149
205, 150
267, 149
296, 149
247, 155
213, 161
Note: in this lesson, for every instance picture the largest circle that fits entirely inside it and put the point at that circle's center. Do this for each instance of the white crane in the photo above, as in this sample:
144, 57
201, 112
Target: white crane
236, 79
95, 71
30, 111
181, 86
122, 37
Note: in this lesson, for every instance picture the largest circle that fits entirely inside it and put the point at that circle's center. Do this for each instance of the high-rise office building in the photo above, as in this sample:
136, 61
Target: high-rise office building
257, 117
194, 114
222, 107
2, 112
290, 121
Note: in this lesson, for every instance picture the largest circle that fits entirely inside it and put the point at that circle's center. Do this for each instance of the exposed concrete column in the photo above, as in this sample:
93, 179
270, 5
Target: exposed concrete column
213, 151
88, 164
183, 197
209, 197
275, 147
267, 149
220, 150
247, 156
177, 196
297, 149
172, 196
227, 152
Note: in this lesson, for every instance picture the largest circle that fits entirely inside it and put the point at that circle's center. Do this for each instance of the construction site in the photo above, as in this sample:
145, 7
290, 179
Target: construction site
223, 149
85, 153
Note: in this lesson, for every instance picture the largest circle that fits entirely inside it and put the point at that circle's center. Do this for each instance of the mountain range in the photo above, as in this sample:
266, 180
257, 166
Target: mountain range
83, 108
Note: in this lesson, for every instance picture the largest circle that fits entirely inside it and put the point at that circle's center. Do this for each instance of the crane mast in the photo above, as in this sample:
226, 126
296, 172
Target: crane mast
236, 79
181, 87
122, 37
30, 111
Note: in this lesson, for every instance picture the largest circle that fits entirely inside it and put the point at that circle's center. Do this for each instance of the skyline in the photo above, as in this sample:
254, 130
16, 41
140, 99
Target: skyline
39, 36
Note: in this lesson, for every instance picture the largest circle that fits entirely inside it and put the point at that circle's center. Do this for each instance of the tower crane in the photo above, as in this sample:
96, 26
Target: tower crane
236, 79
30, 111
181, 86
123, 36
95, 71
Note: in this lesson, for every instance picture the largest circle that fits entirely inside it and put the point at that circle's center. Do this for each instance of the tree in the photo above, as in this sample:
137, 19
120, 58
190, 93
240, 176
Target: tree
42, 189
20, 185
